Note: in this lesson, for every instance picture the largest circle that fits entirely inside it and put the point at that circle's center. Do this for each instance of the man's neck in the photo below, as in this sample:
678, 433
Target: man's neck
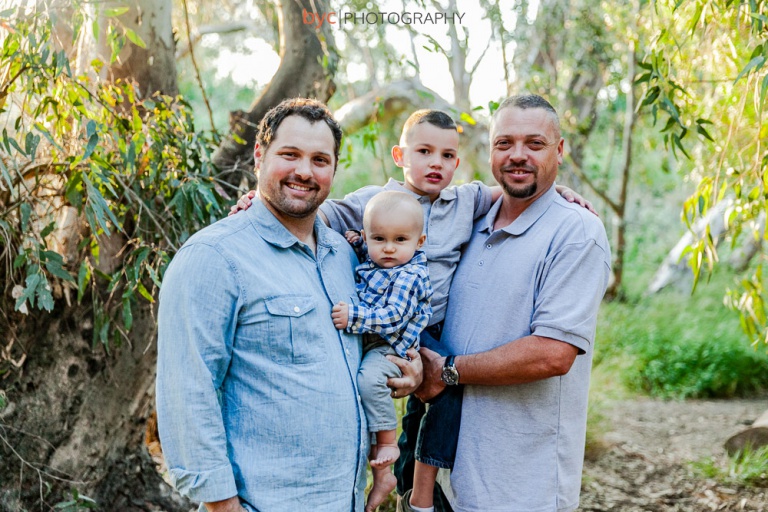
302, 228
511, 208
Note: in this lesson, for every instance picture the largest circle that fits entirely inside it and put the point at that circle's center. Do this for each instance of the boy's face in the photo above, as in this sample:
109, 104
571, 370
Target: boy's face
393, 238
429, 158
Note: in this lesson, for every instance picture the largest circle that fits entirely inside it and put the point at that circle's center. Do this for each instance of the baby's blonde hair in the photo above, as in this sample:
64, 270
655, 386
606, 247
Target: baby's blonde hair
391, 200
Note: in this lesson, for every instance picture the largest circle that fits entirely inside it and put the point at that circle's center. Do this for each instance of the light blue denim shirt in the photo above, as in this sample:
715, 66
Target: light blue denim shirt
256, 389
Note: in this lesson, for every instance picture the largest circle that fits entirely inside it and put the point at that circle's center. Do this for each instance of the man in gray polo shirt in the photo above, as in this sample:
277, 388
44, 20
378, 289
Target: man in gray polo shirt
521, 321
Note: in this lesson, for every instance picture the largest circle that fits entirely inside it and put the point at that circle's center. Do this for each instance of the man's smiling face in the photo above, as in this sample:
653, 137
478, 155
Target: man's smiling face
296, 171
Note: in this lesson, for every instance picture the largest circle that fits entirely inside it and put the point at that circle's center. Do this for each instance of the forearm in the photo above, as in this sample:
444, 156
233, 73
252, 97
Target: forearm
381, 321
524, 360
229, 505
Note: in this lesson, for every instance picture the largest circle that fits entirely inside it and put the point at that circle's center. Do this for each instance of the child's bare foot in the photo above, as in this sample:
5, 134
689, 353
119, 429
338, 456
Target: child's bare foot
385, 455
384, 483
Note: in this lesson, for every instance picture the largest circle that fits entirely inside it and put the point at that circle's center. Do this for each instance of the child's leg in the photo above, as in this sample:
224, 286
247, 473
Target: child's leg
382, 420
387, 451
436, 444
424, 477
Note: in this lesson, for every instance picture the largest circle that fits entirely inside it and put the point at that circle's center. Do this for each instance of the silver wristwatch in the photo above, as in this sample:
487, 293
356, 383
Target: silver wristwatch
450, 374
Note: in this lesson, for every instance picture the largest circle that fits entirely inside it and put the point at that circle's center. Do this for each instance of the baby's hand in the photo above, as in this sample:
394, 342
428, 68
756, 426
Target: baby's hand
352, 236
340, 315
243, 203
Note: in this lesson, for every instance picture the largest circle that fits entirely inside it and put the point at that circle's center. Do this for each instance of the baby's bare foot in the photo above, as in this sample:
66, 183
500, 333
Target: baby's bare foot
386, 455
384, 483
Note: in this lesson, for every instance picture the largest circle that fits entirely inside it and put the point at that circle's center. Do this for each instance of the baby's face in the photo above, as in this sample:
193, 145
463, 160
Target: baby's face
393, 238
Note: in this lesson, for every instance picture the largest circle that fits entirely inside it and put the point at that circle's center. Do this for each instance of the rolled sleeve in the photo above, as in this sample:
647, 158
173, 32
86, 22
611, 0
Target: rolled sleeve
196, 323
572, 287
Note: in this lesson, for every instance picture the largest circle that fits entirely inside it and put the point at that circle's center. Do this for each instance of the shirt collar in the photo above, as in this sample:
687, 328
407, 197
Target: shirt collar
526, 219
447, 194
273, 231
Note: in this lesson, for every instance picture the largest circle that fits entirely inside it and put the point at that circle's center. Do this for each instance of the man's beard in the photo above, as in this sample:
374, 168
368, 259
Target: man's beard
295, 208
519, 193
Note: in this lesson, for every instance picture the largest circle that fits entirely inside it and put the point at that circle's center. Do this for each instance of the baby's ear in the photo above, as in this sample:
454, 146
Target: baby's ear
362, 235
422, 239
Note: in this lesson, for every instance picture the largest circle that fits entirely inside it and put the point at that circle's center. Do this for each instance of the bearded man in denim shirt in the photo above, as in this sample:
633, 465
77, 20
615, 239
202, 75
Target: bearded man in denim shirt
257, 400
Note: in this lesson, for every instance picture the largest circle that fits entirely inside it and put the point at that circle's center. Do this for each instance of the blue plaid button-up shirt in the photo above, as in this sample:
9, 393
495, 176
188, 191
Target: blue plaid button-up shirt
394, 302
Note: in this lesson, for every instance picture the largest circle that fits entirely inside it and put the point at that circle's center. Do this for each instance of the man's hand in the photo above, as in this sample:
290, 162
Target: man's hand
433, 383
243, 203
230, 505
412, 374
573, 197
340, 315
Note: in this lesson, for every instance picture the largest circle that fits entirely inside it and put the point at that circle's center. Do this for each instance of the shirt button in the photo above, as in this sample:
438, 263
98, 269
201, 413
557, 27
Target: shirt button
489, 246
296, 309
481, 263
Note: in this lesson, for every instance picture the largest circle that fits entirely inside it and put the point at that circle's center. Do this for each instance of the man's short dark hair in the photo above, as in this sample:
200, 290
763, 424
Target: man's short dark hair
311, 110
527, 101
436, 118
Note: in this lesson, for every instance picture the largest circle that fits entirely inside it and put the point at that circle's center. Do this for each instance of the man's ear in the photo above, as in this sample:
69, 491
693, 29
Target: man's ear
397, 155
256, 156
560, 151
422, 239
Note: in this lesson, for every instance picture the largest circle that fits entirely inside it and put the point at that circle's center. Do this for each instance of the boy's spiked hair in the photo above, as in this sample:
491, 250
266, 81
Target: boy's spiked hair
436, 118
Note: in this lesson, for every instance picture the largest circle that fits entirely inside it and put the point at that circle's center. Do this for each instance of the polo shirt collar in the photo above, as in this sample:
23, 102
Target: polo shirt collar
447, 194
273, 231
526, 219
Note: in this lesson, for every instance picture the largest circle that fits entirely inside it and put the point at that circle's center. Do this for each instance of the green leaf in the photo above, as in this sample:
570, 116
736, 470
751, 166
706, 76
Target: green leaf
48, 229
134, 38
30, 144
56, 269
704, 132
763, 89
44, 297
115, 12
26, 211
29, 291
92, 142
755, 63
127, 313
144, 293
83, 278
468, 119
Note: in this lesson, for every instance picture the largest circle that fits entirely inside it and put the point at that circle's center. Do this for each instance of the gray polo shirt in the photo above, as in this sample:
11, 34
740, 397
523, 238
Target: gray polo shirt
447, 223
521, 448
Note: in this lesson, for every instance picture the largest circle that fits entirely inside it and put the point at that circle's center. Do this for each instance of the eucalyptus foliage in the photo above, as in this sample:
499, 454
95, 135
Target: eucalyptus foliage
131, 171
705, 82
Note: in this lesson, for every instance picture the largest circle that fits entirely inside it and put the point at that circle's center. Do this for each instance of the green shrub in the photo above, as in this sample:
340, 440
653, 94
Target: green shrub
749, 467
675, 345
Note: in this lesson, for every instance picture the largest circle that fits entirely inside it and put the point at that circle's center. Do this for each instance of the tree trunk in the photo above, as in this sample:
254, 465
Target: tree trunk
308, 63
74, 416
756, 436
153, 67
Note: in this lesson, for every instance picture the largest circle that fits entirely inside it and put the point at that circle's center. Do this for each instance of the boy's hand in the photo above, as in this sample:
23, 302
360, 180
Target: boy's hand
573, 197
243, 203
340, 315
352, 236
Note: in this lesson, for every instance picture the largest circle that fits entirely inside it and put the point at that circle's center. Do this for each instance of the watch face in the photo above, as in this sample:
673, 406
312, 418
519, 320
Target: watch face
450, 376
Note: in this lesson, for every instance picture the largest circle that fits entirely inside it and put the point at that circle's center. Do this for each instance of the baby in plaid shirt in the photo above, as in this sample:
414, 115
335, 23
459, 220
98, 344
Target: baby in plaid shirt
394, 291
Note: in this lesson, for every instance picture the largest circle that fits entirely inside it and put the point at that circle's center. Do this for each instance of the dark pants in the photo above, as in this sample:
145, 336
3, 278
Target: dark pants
436, 445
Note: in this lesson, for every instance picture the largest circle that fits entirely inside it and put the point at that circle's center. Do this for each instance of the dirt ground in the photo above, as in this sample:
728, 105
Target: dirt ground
643, 463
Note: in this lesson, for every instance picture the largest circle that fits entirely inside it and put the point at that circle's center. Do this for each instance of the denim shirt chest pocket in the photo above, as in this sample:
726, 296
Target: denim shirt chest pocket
291, 337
